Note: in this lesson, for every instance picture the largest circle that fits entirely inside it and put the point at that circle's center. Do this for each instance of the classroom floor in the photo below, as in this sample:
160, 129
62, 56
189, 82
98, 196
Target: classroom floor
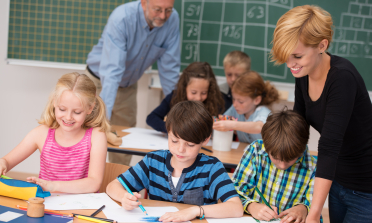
23, 176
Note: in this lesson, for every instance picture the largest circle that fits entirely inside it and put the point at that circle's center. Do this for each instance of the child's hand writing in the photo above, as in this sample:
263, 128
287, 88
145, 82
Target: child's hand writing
262, 211
180, 216
297, 213
3, 167
225, 125
44, 184
130, 202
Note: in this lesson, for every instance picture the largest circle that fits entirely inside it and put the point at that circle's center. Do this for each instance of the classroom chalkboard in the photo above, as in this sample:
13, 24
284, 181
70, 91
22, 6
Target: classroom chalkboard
56, 30
66, 30
212, 28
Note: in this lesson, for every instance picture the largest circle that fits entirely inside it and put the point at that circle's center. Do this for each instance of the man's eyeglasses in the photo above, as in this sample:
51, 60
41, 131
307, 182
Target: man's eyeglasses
159, 10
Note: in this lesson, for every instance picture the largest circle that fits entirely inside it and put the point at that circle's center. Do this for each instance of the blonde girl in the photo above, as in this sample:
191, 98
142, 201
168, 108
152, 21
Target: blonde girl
251, 94
197, 83
71, 139
331, 95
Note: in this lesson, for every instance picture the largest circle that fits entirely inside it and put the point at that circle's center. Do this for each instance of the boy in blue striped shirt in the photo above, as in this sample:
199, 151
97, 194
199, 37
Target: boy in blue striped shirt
182, 174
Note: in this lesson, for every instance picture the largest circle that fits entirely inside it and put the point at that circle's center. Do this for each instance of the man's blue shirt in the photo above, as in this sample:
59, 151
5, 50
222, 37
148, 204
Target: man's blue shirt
127, 48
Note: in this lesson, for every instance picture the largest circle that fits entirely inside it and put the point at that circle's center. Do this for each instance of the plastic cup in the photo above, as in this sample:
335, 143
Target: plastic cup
222, 141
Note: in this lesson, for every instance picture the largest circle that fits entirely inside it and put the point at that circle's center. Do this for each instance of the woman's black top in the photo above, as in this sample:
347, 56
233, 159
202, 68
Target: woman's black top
343, 117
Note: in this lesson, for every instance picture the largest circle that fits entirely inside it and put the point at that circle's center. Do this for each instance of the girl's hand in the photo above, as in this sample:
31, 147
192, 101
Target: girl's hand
180, 216
130, 202
44, 184
297, 213
224, 125
262, 212
3, 166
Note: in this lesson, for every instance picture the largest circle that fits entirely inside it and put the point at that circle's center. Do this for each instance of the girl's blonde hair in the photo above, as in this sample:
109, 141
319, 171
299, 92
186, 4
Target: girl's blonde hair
252, 85
308, 24
214, 102
83, 88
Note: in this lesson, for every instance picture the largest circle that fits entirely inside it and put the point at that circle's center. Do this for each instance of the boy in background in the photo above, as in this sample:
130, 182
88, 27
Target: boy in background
235, 64
281, 167
182, 174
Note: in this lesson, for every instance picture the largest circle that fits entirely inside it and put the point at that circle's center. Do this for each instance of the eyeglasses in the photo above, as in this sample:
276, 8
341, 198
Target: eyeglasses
159, 10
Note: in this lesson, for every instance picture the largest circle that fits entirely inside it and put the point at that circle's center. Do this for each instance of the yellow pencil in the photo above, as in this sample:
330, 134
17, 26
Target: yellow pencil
90, 219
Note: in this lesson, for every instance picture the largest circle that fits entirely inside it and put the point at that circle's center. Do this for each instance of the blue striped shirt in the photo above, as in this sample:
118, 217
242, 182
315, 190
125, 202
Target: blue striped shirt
204, 182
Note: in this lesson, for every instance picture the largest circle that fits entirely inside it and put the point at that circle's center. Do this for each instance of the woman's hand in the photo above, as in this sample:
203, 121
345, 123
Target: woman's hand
44, 184
130, 202
297, 213
180, 216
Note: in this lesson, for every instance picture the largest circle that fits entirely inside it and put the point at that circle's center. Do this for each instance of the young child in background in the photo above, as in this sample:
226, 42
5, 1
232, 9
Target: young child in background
281, 167
71, 138
197, 83
251, 95
235, 64
182, 174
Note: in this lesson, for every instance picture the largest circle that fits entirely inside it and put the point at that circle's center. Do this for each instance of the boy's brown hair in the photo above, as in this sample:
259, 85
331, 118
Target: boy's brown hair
285, 135
237, 57
190, 121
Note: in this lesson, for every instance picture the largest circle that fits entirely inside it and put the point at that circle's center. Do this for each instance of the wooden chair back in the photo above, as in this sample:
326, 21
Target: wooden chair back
112, 170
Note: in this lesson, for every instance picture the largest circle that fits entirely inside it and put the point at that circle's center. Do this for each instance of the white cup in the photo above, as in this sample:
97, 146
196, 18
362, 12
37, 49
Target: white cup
222, 141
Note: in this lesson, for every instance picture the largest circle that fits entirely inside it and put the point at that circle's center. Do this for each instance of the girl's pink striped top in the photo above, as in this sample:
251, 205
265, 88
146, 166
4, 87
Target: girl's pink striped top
59, 163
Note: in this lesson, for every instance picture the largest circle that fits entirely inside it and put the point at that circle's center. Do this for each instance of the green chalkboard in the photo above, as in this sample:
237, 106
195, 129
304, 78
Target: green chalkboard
56, 30
66, 30
212, 28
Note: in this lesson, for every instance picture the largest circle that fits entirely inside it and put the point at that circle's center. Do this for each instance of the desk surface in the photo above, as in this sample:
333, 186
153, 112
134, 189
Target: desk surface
230, 159
11, 202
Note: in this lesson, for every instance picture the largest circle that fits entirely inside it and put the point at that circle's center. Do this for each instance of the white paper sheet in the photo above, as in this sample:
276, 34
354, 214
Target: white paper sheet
79, 201
234, 145
237, 220
9, 216
140, 138
136, 215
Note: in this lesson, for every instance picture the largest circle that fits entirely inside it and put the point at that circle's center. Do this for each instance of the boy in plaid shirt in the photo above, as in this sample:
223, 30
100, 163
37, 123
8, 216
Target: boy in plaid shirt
281, 167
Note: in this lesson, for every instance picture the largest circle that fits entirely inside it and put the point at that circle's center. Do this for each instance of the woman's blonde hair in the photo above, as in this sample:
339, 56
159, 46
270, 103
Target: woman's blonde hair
252, 85
308, 24
83, 88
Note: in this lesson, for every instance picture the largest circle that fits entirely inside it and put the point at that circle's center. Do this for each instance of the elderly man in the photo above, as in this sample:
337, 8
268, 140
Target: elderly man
136, 35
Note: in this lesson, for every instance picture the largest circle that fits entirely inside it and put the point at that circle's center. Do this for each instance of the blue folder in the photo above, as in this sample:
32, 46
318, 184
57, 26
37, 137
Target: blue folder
25, 219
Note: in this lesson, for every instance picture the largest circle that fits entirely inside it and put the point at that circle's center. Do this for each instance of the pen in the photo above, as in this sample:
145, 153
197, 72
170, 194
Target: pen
99, 210
207, 150
129, 191
263, 198
97, 218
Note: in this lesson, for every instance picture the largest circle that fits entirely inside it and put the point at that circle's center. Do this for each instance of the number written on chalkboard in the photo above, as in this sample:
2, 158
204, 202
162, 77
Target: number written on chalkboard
192, 51
232, 31
192, 29
193, 10
257, 12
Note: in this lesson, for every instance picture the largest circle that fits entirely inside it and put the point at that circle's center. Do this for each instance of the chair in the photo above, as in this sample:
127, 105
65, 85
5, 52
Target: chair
112, 170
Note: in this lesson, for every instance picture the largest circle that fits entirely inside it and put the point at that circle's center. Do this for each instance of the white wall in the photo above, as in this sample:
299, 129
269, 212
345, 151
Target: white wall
24, 91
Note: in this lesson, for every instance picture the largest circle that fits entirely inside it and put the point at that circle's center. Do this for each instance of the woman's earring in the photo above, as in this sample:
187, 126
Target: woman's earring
321, 53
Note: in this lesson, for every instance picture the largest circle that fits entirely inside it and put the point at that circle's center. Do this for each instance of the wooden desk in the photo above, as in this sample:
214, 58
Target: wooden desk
11, 202
229, 159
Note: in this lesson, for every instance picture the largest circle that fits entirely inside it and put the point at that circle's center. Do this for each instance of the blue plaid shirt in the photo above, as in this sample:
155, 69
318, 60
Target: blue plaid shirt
281, 188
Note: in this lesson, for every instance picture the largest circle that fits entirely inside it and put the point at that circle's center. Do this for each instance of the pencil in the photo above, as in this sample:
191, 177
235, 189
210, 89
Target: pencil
102, 219
99, 210
48, 211
263, 198
129, 191
93, 219
5, 177
207, 150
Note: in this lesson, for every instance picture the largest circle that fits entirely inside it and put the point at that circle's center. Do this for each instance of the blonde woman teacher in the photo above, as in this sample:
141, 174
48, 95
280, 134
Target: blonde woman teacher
331, 95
